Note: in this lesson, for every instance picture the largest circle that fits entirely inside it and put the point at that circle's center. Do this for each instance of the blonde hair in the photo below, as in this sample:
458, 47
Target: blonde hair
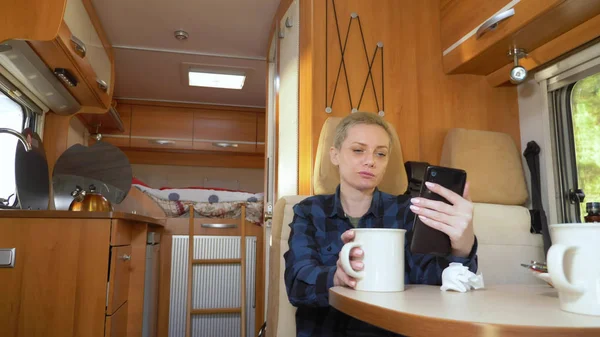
357, 118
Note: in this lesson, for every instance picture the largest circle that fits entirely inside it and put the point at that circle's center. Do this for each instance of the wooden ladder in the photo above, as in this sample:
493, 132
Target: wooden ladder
241, 261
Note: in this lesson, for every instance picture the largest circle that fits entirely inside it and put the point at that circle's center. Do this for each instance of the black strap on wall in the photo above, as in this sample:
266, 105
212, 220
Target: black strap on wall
539, 222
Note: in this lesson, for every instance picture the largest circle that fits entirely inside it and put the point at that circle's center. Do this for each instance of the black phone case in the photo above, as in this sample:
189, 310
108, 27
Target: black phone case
426, 240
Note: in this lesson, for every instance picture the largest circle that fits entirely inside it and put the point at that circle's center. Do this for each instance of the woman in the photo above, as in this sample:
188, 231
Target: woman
322, 224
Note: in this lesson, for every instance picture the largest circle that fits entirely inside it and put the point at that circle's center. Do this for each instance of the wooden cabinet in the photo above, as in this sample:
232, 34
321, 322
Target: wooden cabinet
469, 47
68, 279
187, 128
118, 278
82, 28
81, 57
116, 324
161, 127
31, 19
216, 130
460, 17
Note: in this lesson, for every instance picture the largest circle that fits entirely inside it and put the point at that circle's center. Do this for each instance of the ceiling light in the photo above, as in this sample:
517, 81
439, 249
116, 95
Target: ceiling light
181, 35
216, 80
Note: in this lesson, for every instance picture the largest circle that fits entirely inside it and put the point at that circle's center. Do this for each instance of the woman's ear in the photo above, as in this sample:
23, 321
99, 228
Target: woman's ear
333, 155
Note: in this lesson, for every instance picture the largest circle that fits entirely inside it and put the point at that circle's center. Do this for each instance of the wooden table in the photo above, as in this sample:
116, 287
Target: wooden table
506, 310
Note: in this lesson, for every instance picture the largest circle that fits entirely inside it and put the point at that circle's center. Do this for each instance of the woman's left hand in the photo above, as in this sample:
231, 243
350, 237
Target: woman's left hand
456, 219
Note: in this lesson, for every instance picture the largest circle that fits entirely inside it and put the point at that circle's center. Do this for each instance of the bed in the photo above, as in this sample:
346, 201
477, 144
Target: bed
224, 291
209, 202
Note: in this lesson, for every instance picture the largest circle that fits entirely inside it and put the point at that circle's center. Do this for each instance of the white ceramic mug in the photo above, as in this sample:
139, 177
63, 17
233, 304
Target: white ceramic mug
574, 266
383, 258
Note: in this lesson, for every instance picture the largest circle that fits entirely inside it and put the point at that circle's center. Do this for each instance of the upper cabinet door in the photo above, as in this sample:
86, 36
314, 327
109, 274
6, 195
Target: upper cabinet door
460, 17
161, 127
88, 44
476, 35
221, 130
78, 53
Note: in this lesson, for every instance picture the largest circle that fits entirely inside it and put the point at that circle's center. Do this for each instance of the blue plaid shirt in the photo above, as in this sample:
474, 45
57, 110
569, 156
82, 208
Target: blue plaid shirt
315, 242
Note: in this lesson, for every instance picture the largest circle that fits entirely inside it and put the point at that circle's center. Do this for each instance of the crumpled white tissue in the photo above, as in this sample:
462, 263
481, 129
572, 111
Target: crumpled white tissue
459, 278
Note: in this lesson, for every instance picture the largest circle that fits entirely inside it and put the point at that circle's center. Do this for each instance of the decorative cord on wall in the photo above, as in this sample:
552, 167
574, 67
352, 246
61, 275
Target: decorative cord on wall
370, 62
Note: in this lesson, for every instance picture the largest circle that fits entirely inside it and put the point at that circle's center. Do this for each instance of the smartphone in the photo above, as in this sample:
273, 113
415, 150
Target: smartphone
426, 240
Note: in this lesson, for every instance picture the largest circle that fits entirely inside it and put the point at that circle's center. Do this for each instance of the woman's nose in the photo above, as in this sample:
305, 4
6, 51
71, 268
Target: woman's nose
370, 160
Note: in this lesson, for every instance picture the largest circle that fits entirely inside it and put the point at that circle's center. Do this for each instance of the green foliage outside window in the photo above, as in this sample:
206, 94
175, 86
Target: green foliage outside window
585, 107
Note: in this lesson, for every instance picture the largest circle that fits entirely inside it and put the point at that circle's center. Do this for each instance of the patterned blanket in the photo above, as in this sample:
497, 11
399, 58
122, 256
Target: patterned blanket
228, 209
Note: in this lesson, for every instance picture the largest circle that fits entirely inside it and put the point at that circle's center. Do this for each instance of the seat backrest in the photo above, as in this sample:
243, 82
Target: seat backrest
281, 320
498, 191
493, 164
326, 176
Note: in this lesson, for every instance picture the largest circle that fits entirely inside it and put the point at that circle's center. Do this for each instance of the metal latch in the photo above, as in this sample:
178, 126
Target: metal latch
7, 257
269, 214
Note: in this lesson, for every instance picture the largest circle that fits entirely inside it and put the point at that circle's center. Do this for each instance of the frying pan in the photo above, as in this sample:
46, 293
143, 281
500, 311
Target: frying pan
31, 174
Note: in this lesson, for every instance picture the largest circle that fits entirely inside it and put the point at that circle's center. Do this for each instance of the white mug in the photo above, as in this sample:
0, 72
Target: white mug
574, 267
383, 258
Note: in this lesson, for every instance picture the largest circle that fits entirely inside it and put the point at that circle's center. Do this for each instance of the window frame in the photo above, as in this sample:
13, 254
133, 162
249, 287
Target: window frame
555, 77
565, 157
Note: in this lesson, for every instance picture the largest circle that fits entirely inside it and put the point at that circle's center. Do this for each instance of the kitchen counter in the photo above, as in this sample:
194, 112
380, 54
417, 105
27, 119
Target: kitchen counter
78, 274
53, 214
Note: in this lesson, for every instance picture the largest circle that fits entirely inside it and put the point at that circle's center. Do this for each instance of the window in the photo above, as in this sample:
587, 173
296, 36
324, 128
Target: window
585, 112
576, 121
11, 116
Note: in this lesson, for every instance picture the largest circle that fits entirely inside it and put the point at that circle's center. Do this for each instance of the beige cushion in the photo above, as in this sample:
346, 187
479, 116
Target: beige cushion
504, 243
326, 176
493, 164
281, 315
504, 224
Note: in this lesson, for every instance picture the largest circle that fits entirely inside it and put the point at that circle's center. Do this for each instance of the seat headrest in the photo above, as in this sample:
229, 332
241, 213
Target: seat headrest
326, 176
493, 164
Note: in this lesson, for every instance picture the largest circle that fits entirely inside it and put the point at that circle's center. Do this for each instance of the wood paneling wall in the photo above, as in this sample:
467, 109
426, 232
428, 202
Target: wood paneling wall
420, 100
56, 137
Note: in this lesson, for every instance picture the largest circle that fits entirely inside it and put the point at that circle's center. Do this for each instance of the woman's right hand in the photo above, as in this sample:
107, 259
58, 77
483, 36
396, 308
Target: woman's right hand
341, 278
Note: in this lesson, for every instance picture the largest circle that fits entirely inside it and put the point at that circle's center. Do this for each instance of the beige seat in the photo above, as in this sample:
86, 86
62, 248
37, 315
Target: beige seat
281, 319
498, 191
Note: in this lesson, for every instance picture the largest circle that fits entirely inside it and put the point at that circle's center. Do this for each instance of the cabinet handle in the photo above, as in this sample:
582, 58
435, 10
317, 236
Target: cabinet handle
79, 46
7, 257
218, 225
102, 85
162, 141
493, 22
125, 257
223, 144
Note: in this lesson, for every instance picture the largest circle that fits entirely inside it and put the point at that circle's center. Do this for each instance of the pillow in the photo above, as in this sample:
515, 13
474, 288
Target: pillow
202, 188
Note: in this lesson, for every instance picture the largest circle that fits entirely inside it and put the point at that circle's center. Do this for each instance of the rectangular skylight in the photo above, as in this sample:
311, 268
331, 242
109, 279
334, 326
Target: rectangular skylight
215, 80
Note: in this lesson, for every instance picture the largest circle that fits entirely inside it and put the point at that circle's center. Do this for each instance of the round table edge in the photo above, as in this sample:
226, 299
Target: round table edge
419, 325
